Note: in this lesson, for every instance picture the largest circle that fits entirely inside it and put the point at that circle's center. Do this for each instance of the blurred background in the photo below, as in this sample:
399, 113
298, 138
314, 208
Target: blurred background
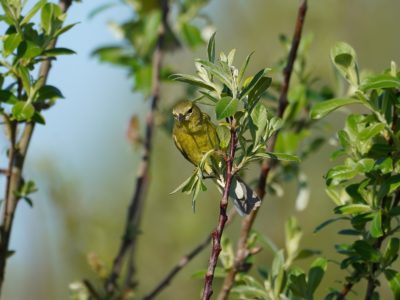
85, 168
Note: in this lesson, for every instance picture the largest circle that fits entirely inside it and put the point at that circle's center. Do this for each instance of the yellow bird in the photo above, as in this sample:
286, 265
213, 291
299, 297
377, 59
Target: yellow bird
194, 135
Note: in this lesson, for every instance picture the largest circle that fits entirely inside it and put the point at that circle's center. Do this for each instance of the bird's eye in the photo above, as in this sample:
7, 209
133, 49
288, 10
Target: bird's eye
190, 110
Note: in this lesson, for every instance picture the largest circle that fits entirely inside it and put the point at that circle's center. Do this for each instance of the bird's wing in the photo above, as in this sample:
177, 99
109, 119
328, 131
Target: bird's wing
179, 146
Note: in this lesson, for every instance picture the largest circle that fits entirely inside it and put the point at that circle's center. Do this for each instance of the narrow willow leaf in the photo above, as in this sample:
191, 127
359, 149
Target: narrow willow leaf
226, 107
280, 156
32, 12
391, 251
244, 67
315, 274
192, 80
248, 87
383, 81
371, 131
11, 42
352, 209
327, 222
393, 279
211, 48
376, 225
366, 251
323, 108
224, 136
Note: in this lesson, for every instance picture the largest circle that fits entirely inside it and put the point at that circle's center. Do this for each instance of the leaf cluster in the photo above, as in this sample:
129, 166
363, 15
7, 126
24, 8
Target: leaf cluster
237, 105
139, 37
25, 45
365, 185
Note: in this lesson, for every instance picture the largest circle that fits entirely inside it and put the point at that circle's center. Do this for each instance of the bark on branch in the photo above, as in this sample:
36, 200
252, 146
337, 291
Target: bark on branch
17, 155
247, 223
128, 244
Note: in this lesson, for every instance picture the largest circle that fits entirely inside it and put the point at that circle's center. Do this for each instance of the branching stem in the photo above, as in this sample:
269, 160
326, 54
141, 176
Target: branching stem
222, 219
242, 252
16, 155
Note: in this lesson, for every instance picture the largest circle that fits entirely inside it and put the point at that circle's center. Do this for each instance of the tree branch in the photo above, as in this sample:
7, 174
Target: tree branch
184, 261
17, 154
141, 184
242, 252
217, 233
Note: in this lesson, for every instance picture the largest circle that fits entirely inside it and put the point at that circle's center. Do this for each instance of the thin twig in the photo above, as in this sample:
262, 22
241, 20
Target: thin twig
141, 183
242, 252
91, 289
184, 261
222, 219
17, 154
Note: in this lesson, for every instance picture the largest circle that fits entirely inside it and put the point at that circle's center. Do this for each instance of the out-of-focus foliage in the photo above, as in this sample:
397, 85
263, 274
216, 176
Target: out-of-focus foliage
139, 35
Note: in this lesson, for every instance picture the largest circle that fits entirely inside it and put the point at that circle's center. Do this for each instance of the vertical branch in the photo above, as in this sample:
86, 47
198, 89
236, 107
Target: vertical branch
217, 233
141, 183
242, 252
17, 154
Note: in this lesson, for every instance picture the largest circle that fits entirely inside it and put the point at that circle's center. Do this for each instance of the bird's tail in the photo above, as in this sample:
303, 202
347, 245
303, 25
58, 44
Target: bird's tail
244, 198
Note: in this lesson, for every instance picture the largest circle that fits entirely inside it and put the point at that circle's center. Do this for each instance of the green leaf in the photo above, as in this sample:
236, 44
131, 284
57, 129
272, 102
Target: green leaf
340, 173
306, 253
366, 251
28, 50
49, 92
244, 67
186, 185
32, 12
344, 58
393, 278
348, 209
315, 274
7, 97
250, 291
226, 107
258, 89
279, 156
327, 222
23, 74
23, 111
211, 48
394, 183
11, 42
321, 109
383, 81
259, 118
58, 51
371, 131
391, 251
191, 35
224, 136
218, 72
193, 80
298, 285
385, 165
249, 87
376, 225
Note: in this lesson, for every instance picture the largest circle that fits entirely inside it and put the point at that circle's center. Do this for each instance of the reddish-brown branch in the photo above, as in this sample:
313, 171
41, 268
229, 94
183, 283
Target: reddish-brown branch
17, 154
222, 219
184, 261
242, 252
128, 242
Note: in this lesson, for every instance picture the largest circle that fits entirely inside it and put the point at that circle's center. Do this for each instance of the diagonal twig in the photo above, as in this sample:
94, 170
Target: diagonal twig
128, 242
184, 261
242, 252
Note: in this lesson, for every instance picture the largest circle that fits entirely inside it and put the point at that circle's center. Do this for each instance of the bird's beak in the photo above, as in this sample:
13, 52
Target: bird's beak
180, 118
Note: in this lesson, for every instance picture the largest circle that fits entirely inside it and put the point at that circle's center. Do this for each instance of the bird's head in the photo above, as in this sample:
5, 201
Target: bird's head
186, 112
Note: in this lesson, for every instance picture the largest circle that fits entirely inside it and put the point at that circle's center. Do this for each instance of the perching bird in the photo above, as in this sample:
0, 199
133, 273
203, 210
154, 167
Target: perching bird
194, 135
